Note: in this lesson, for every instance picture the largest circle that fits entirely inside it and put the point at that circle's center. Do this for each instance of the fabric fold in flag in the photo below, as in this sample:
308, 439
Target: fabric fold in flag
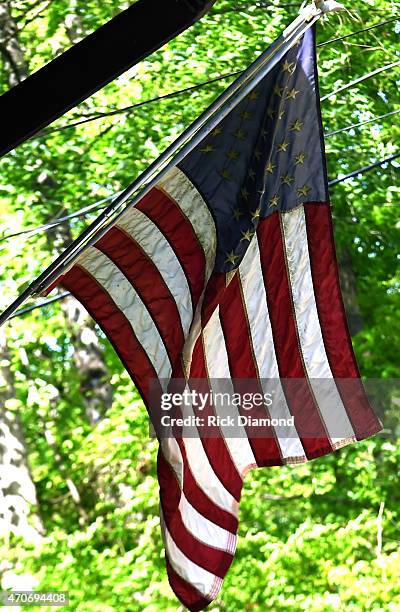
226, 272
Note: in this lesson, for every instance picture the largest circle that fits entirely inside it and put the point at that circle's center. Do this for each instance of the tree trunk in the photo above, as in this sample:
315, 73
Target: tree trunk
17, 491
10, 49
18, 503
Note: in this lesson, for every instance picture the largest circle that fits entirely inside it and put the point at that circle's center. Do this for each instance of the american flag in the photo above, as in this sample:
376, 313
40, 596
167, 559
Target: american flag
227, 270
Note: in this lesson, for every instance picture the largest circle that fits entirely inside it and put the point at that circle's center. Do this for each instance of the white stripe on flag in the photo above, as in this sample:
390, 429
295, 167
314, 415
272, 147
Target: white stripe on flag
199, 578
147, 235
179, 188
217, 366
129, 303
198, 525
204, 530
172, 453
190, 341
312, 345
256, 306
177, 185
200, 467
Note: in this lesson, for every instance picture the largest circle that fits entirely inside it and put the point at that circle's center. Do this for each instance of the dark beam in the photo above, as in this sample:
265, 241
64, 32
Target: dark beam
92, 63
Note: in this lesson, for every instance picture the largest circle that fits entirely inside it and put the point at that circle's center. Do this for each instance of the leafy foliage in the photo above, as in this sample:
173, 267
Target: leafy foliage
315, 545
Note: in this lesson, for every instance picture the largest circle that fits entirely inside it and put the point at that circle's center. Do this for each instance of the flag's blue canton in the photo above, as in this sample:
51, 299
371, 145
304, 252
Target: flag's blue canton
266, 155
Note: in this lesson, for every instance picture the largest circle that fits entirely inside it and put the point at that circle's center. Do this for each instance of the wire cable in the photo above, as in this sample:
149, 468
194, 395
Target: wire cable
356, 125
359, 80
377, 25
126, 109
264, 6
45, 226
363, 170
55, 298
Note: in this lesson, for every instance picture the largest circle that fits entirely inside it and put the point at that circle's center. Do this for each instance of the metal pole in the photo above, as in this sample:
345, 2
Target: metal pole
202, 126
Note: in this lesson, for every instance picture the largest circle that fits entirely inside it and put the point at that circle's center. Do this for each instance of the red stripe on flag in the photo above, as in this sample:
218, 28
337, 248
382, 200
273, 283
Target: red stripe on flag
333, 320
300, 400
242, 366
185, 592
212, 295
177, 229
149, 284
211, 559
214, 447
115, 325
327, 291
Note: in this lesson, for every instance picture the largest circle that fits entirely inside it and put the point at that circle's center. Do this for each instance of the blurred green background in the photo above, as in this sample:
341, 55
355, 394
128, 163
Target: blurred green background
78, 492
